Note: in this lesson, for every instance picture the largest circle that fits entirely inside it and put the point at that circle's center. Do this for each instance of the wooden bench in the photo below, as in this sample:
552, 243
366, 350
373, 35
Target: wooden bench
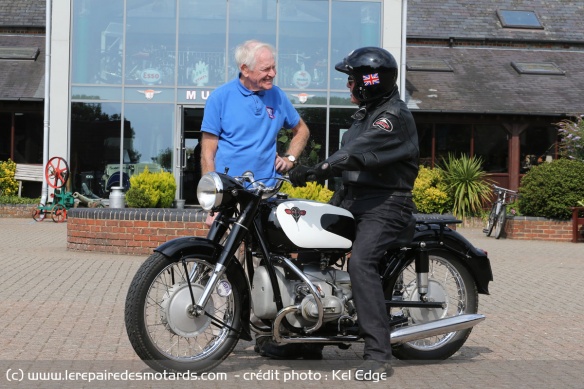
25, 172
576, 223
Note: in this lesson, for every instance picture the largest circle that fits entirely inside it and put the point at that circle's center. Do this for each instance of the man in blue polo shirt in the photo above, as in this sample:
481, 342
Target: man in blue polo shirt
240, 125
243, 117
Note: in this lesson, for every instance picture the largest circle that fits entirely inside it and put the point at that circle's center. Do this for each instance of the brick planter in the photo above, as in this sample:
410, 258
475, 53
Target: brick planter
130, 230
538, 228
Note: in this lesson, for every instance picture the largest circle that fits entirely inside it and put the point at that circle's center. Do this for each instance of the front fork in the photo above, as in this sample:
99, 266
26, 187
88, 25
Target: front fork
238, 231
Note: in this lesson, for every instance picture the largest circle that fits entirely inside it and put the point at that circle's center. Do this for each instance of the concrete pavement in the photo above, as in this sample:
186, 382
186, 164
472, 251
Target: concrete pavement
62, 315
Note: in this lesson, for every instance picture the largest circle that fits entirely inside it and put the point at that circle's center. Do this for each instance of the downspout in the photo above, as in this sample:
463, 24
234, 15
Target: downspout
402, 72
45, 187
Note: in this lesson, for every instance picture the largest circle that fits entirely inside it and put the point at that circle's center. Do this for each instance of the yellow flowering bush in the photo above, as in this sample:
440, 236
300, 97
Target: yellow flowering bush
8, 185
312, 191
159, 188
430, 192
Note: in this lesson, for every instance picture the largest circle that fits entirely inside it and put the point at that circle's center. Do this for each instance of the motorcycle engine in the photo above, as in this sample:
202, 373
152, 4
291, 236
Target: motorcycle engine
334, 284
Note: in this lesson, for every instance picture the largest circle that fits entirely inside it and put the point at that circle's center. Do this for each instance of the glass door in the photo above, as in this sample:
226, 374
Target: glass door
189, 155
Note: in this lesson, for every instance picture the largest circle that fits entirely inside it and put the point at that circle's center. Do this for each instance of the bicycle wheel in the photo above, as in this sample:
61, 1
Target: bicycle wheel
491, 220
500, 225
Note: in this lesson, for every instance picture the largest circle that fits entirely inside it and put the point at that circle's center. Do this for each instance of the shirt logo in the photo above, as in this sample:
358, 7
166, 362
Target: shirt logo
270, 111
383, 124
371, 79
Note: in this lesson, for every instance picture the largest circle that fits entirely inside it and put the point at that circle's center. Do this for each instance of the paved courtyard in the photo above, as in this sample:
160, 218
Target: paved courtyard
62, 324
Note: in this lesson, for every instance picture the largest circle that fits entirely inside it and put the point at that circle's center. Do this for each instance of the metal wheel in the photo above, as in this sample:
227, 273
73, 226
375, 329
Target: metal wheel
500, 226
448, 281
491, 220
59, 213
162, 326
57, 172
38, 214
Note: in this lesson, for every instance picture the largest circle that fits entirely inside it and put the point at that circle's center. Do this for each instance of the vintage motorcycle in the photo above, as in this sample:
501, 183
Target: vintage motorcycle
277, 266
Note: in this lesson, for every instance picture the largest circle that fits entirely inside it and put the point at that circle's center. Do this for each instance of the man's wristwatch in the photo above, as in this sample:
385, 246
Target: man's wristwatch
292, 159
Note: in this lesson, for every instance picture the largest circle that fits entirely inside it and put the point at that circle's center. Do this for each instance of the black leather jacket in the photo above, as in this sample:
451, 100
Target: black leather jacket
381, 150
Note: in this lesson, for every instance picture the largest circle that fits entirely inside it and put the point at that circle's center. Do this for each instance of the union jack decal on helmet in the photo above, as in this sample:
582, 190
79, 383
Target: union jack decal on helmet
371, 79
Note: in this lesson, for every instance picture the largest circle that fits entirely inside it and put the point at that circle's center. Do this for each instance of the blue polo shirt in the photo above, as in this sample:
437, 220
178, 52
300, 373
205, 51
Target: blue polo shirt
247, 124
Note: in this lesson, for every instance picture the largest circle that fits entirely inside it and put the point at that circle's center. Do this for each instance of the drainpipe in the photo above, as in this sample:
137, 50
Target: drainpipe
45, 187
402, 72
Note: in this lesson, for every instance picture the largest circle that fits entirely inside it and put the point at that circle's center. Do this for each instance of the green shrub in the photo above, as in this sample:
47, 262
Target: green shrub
549, 189
12, 199
8, 185
467, 183
137, 198
312, 191
430, 192
159, 187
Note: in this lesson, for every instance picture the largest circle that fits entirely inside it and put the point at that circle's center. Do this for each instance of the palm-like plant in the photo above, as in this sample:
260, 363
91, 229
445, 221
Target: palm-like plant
467, 182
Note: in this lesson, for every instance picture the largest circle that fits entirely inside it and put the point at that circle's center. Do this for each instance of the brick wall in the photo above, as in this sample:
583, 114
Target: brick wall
130, 231
538, 228
17, 210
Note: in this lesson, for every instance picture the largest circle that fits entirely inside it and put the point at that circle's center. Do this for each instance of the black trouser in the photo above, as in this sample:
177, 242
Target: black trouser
380, 221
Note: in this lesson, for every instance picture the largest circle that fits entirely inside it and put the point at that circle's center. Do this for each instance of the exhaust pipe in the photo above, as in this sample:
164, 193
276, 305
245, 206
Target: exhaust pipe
433, 328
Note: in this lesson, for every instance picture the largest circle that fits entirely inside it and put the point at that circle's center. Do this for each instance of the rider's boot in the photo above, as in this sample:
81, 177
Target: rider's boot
266, 347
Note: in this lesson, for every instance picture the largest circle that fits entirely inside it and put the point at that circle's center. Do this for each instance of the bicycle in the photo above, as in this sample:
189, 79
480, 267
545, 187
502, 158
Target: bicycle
498, 214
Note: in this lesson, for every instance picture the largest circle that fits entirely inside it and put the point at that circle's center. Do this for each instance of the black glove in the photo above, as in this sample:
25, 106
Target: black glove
300, 174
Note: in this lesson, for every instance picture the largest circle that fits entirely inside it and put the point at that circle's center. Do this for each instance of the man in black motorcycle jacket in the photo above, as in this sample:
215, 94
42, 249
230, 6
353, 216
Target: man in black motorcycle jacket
378, 163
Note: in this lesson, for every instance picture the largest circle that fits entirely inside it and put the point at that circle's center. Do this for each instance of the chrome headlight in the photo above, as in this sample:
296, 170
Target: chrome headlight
210, 191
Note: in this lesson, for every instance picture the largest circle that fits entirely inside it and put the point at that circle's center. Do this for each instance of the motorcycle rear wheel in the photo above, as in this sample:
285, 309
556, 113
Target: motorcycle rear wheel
449, 281
162, 331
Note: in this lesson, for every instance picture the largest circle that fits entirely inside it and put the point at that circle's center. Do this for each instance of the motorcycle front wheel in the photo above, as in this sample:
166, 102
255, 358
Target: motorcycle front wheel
448, 281
162, 327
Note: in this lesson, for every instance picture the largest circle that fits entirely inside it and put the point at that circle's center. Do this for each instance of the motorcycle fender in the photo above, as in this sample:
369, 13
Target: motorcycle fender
189, 246
476, 260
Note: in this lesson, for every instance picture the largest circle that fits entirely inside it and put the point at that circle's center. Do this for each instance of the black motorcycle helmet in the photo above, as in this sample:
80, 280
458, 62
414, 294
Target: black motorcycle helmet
374, 70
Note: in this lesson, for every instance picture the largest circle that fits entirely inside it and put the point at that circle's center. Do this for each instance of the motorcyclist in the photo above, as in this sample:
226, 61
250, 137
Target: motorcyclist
378, 162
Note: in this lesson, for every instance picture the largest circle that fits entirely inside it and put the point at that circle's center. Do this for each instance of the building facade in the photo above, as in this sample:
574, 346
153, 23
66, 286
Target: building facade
129, 78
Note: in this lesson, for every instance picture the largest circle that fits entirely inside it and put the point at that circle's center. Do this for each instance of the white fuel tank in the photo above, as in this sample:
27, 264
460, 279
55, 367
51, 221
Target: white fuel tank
314, 225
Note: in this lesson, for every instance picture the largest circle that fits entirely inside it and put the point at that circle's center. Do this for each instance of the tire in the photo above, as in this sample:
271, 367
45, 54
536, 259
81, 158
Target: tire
59, 213
500, 225
162, 331
38, 214
449, 281
491, 220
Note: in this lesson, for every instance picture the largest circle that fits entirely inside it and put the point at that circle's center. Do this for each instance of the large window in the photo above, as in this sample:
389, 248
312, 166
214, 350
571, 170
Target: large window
97, 41
538, 145
201, 43
95, 145
488, 142
492, 146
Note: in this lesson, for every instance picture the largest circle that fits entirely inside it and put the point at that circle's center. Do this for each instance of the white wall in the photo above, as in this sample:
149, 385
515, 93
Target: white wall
392, 30
59, 82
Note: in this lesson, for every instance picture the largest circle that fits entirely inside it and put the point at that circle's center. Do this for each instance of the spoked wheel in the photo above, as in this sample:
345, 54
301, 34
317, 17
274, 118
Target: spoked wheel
500, 225
38, 214
491, 220
164, 328
448, 281
57, 172
59, 213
